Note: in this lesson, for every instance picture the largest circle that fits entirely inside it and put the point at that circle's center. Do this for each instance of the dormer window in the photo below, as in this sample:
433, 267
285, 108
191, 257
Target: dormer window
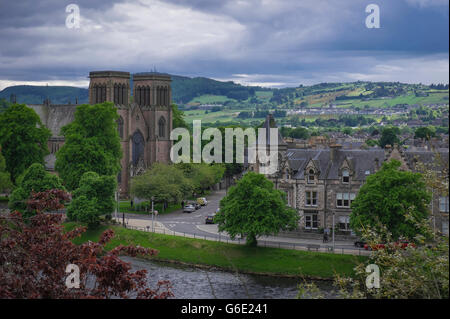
345, 176
311, 176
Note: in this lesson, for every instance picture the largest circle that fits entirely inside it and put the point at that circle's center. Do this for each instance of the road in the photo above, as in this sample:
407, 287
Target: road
194, 223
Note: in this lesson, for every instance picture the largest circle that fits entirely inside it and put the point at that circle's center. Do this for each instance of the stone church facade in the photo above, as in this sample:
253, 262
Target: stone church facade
143, 104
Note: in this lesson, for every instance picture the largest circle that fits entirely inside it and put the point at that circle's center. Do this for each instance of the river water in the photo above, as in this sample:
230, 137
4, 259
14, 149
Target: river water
194, 283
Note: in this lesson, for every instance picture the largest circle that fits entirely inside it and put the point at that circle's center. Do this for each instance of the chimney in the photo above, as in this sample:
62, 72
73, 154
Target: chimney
334, 148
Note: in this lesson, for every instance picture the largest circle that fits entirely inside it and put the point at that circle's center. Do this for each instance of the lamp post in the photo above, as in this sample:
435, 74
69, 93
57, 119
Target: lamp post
153, 214
333, 231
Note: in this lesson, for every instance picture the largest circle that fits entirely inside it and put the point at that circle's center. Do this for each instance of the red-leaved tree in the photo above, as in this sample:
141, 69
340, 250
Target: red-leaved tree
34, 256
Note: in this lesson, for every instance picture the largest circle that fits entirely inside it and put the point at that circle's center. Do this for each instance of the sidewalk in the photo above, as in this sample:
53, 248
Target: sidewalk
264, 241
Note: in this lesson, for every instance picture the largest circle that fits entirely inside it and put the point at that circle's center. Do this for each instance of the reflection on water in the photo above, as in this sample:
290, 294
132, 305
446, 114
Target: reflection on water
194, 283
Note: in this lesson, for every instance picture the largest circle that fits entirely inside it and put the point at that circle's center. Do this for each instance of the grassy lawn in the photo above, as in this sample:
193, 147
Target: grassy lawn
230, 256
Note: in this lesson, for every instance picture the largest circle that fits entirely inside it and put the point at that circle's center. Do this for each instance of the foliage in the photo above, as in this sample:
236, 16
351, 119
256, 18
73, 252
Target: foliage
253, 208
178, 118
34, 257
420, 271
424, 132
23, 139
92, 144
94, 197
389, 136
34, 179
385, 198
165, 183
202, 175
5, 180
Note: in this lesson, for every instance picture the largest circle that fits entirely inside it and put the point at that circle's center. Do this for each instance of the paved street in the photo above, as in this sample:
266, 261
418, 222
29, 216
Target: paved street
194, 224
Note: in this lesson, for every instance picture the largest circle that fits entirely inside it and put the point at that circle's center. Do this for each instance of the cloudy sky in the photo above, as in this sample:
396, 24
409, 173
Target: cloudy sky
273, 43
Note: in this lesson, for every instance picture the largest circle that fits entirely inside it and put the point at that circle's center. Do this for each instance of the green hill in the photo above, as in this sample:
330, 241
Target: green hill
30, 94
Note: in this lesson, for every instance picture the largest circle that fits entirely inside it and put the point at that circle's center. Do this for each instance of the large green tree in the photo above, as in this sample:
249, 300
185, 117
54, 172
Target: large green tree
164, 183
94, 197
34, 179
92, 144
253, 207
386, 198
389, 135
23, 139
5, 179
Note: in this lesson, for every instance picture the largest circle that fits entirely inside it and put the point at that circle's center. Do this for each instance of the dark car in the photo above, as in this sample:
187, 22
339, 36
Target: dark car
197, 206
360, 244
209, 219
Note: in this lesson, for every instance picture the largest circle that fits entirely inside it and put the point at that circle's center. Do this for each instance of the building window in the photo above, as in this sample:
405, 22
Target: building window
311, 176
311, 198
344, 199
345, 176
344, 223
162, 126
445, 228
443, 204
311, 221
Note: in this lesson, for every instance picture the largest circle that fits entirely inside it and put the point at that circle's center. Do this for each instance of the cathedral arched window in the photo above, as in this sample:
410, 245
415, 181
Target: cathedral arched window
138, 147
162, 126
120, 126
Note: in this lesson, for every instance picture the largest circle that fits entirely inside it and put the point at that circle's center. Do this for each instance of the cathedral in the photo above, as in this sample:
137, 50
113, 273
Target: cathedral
143, 103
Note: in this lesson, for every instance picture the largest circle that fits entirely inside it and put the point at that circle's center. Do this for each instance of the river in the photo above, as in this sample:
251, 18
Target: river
194, 283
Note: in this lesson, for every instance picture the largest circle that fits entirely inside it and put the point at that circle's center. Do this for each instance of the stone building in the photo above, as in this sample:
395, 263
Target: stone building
144, 124
321, 183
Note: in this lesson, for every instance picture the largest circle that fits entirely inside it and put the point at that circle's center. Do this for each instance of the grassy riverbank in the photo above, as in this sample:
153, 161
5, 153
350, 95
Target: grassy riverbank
230, 256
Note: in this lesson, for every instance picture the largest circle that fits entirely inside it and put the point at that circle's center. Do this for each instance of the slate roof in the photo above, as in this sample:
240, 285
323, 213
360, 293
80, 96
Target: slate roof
55, 116
359, 161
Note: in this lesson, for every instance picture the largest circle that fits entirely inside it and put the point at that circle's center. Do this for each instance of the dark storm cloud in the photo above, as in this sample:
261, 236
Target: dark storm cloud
282, 42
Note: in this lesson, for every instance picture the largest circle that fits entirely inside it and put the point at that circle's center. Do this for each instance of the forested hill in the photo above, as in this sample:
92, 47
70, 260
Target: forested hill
30, 94
184, 89
192, 92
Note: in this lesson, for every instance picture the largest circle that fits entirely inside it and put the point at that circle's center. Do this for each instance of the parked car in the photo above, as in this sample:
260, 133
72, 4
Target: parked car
189, 208
202, 201
209, 219
360, 244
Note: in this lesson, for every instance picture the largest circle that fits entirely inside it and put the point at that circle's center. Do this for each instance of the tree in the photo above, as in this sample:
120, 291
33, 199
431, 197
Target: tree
5, 180
299, 132
178, 118
23, 139
164, 183
253, 208
92, 144
94, 197
386, 197
202, 175
34, 179
424, 132
389, 136
34, 258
